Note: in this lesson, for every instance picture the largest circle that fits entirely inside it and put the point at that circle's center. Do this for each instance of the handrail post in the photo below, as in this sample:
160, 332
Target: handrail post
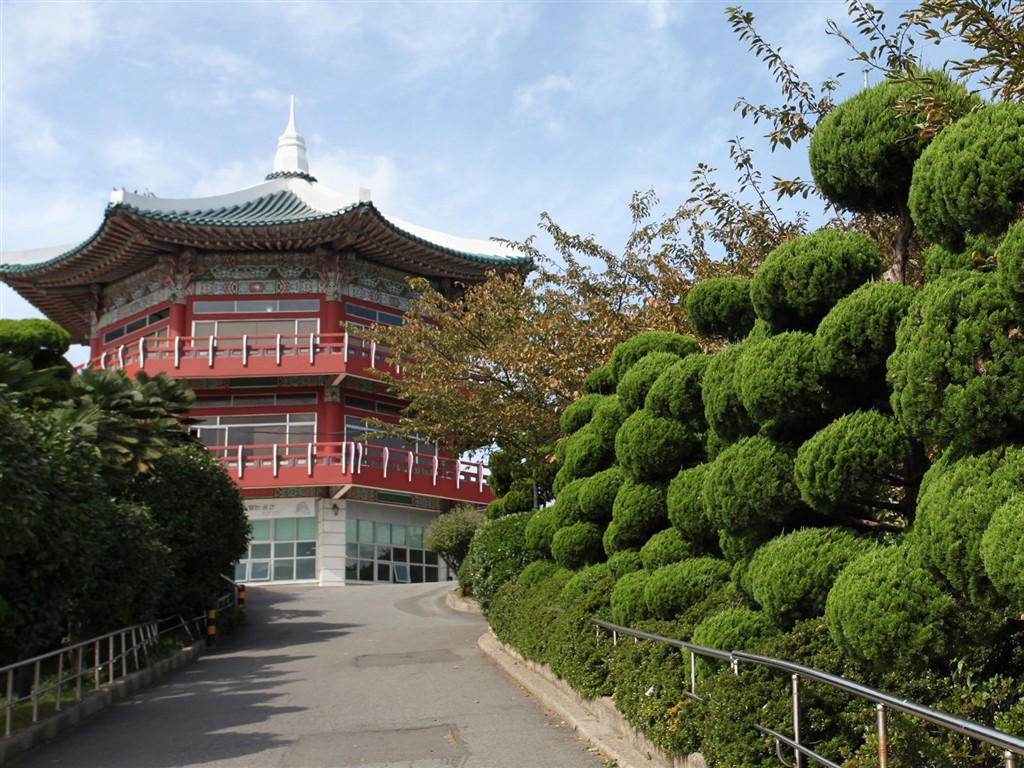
35, 691
245, 350
344, 348
1010, 759
373, 354
177, 352
212, 350
387, 458
60, 678
275, 459
142, 352
344, 450
241, 463
278, 359
410, 466
312, 350
9, 703
309, 460
796, 721
358, 458
120, 356
436, 462
693, 673
883, 736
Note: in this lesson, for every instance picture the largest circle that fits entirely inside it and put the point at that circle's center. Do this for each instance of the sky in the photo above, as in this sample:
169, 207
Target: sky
468, 118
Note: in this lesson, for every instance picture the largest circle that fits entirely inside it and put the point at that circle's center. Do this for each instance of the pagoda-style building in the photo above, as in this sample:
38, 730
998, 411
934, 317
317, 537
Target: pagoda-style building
256, 299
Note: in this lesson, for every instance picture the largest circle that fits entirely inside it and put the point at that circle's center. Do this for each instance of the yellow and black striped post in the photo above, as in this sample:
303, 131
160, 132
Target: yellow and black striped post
241, 599
211, 627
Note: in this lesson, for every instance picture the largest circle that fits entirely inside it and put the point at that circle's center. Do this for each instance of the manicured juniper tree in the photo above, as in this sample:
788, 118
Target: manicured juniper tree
638, 379
720, 391
677, 393
720, 308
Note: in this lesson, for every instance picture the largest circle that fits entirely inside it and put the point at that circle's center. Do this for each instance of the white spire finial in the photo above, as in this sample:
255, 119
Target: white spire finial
291, 148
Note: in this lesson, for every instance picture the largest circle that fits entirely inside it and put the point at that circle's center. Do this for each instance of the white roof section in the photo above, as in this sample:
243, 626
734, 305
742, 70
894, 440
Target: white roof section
35, 255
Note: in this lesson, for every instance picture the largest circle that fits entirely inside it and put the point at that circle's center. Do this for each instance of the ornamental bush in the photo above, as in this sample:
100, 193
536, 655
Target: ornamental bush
888, 614
802, 279
569, 502
597, 495
638, 512
578, 414
791, 575
635, 383
978, 254
780, 387
451, 534
651, 448
674, 588
663, 548
539, 532
537, 571
970, 179
1011, 264
623, 562
584, 454
586, 581
720, 308
577, 545
600, 381
497, 554
686, 509
958, 368
1002, 550
677, 393
628, 603
720, 391
608, 417
734, 629
626, 354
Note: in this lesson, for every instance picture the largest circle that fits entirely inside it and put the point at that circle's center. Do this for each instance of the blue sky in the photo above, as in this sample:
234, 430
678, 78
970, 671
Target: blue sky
469, 118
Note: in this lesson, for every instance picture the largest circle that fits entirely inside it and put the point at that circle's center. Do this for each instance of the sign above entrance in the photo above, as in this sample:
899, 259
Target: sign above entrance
263, 508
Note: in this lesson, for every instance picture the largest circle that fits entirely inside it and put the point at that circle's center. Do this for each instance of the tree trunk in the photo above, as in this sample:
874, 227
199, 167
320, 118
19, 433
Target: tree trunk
897, 272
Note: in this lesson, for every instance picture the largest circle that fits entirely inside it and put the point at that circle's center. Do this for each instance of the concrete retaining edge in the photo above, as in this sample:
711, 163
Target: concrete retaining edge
75, 713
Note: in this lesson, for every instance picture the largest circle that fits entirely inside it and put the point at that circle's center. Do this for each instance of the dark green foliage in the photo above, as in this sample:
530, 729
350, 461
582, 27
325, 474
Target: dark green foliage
663, 548
854, 465
686, 509
451, 533
674, 588
750, 487
626, 354
578, 654
578, 414
780, 387
734, 629
519, 497
1002, 550
651, 448
791, 575
978, 254
597, 495
600, 381
639, 512
970, 179
608, 417
888, 614
958, 368
1011, 264
635, 383
627, 599
677, 393
497, 555
720, 308
862, 153
537, 571
568, 502
523, 615
539, 532
199, 513
802, 279
584, 454
40, 341
505, 468
577, 545
958, 498
623, 562
720, 390
587, 580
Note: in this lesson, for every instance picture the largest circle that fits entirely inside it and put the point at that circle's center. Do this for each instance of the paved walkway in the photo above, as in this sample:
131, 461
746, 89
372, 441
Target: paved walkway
331, 678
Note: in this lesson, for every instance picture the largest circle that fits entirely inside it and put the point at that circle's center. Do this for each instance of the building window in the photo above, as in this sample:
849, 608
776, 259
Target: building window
357, 314
385, 552
357, 429
252, 401
254, 306
230, 332
257, 429
280, 550
136, 325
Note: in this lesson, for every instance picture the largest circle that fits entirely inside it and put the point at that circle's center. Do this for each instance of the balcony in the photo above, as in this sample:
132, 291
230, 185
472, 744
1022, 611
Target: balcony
194, 357
354, 464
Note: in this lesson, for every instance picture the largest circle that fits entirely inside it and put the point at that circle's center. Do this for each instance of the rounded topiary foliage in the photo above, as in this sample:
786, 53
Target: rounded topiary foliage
638, 513
663, 548
674, 588
540, 530
536, 572
978, 254
802, 279
635, 383
720, 391
686, 509
780, 387
628, 603
577, 545
497, 555
518, 499
568, 501
587, 582
734, 629
600, 381
1002, 551
677, 392
791, 575
578, 414
623, 562
626, 354
1011, 263
608, 417
750, 486
888, 614
970, 179
862, 153
584, 454
650, 448
720, 308
738, 547
853, 465
958, 368
597, 495
955, 506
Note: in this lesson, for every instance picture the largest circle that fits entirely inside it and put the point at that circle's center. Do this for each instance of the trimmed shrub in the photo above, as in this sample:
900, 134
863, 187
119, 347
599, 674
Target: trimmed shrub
1011, 263
585, 454
628, 603
1002, 550
587, 580
651, 448
608, 417
978, 254
663, 548
779, 386
626, 354
686, 509
537, 571
720, 308
970, 179
597, 495
498, 554
720, 391
600, 381
677, 393
802, 279
569, 502
958, 368
539, 532
451, 534
791, 575
639, 512
578, 414
635, 383
578, 655
734, 629
523, 615
577, 545
888, 614
623, 562
518, 499
674, 588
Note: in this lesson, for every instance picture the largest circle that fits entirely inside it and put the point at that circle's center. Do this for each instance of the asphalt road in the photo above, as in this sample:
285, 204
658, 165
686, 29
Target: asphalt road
331, 678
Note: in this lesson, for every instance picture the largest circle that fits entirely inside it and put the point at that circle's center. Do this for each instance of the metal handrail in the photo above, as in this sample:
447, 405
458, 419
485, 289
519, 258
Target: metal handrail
1011, 745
